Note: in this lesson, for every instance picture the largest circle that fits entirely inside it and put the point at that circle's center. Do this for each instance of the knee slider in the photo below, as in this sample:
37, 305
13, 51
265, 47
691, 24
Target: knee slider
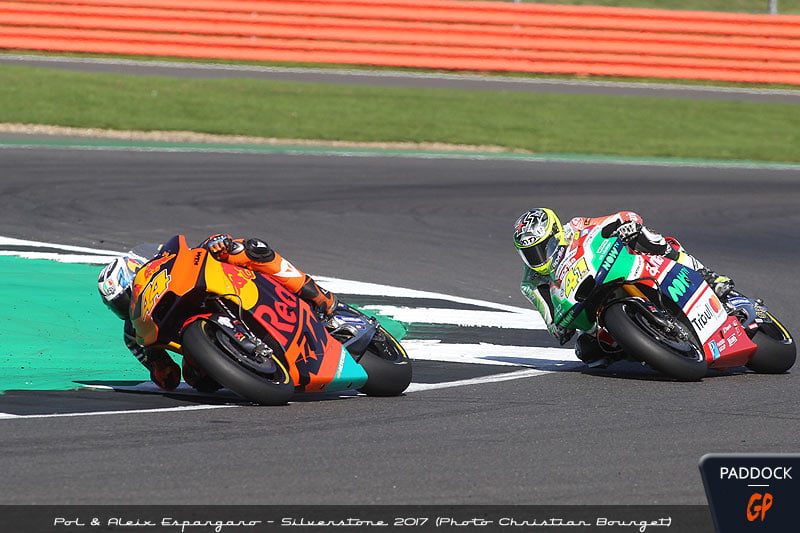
258, 250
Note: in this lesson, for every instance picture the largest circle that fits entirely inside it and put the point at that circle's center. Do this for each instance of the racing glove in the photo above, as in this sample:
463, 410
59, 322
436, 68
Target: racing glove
220, 246
628, 231
166, 374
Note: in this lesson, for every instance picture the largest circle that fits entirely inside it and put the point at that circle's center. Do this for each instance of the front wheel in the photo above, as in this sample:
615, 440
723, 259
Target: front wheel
667, 347
387, 365
265, 382
776, 351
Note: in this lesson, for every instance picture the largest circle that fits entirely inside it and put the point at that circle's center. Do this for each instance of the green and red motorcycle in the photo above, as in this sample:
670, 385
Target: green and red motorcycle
659, 312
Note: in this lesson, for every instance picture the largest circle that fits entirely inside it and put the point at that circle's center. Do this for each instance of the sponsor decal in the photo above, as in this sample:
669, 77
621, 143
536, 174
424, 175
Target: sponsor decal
604, 246
151, 267
238, 277
558, 256
611, 256
287, 270
679, 285
715, 352
704, 319
157, 286
715, 304
653, 264
576, 274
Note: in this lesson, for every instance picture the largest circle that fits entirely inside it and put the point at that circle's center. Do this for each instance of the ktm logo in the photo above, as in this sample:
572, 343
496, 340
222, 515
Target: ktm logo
758, 506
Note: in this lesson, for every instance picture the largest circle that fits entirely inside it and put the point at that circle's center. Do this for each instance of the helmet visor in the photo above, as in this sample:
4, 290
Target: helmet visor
536, 255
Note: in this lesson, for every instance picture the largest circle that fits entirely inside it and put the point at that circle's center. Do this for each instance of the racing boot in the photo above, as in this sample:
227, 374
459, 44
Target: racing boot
722, 285
324, 301
595, 352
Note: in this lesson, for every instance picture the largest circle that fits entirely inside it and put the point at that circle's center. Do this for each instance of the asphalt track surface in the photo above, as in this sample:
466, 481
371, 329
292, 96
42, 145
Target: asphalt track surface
389, 78
619, 436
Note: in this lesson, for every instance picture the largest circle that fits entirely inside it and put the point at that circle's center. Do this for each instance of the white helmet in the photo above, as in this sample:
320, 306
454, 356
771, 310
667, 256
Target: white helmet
114, 283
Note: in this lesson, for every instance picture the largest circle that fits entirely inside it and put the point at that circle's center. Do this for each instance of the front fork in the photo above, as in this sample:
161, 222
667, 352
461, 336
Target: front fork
656, 315
240, 332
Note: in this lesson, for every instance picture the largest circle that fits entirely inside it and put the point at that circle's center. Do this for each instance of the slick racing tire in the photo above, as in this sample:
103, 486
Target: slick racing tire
210, 348
640, 336
776, 351
387, 365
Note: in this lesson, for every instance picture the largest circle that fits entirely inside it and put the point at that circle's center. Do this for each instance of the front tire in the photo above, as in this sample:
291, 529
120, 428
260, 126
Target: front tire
387, 365
776, 351
206, 345
641, 337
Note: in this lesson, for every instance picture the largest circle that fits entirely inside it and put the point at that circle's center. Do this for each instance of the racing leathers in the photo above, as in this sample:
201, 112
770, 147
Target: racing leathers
629, 227
255, 255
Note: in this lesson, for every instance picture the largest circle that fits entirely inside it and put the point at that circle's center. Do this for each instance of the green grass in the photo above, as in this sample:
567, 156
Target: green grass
542, 123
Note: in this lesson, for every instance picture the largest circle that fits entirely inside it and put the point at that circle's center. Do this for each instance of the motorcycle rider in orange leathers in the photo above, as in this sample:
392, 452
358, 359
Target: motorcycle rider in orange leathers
537, 236
115, 280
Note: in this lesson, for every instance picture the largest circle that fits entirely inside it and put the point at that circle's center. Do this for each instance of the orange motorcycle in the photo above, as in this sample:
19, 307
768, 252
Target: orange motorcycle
253, 336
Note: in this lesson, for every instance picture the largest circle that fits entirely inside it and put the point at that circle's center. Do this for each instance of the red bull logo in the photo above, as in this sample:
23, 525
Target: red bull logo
239, 277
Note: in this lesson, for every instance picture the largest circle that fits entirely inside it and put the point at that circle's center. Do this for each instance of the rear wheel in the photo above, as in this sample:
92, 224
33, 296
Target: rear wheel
262, 380
387, 365
776, 351
665, 345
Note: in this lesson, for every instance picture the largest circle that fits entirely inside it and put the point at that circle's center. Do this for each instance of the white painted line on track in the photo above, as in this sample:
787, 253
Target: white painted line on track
11, 241
63, 258
520, 374
9, 416
414, 387
483, 353
523, 319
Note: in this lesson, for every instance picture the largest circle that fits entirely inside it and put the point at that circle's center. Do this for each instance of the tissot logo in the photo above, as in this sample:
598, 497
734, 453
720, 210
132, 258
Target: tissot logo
752, 492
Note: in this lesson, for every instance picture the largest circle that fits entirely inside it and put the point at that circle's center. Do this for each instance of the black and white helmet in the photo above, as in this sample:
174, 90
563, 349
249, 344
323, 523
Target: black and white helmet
114, 283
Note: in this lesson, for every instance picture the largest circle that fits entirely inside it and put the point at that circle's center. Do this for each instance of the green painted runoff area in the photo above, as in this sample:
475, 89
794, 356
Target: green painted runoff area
55, 333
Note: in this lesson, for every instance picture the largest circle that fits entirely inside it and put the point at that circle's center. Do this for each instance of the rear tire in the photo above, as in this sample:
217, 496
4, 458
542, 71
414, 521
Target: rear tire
387, 365
640, 338
201, 342
776, 351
